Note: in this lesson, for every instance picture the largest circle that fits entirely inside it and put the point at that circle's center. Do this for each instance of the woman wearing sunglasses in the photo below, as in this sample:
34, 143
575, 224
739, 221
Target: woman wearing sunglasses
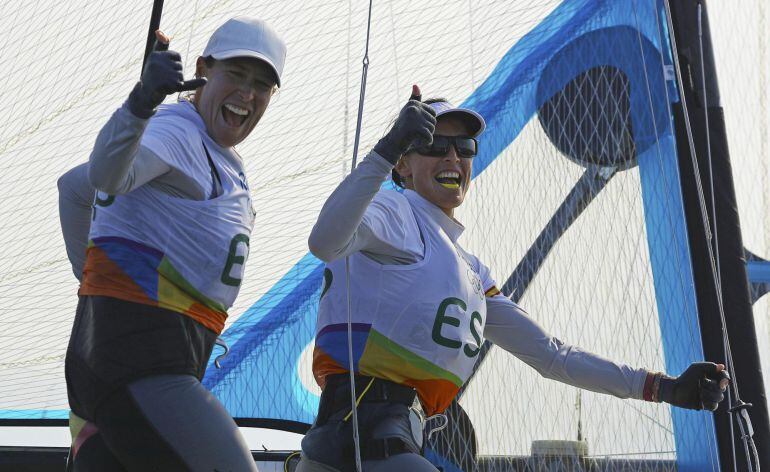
421, 305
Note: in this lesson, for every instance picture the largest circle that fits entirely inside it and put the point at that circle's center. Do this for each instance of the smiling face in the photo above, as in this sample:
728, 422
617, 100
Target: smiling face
234, 98
444, 180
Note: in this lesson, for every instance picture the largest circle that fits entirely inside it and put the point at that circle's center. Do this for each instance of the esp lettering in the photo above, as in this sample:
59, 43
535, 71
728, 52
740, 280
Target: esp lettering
442, 318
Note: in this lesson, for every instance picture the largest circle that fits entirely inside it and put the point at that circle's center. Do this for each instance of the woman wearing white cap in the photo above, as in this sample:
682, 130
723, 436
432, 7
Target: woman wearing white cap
421, 305
161, 258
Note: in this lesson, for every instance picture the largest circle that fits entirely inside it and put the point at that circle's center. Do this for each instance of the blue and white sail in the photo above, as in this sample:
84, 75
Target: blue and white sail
579, 156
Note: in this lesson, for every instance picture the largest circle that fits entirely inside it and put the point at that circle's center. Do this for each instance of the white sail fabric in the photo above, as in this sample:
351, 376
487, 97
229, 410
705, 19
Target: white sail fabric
70, 64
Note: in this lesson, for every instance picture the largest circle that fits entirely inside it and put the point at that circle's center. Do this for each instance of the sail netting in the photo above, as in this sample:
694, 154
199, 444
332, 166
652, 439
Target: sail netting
575, 205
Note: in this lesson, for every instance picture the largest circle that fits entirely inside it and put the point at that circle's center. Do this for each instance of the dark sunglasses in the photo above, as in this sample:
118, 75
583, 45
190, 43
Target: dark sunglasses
464, 146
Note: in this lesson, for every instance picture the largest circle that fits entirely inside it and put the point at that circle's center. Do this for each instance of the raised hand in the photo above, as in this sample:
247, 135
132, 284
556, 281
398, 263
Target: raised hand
415, 124
700, 387
162, 76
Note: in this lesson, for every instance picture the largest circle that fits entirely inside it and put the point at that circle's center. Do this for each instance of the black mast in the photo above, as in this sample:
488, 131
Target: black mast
157, 11
703, 110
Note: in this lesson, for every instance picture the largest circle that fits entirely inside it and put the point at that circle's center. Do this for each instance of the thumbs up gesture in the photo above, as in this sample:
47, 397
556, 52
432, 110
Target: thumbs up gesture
415, 124
162, 76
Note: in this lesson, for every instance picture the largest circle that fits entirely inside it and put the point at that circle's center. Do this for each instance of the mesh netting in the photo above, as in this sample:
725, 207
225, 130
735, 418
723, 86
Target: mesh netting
574, 204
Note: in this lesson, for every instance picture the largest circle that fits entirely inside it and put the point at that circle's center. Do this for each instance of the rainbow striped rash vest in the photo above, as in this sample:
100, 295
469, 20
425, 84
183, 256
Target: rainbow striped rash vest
419, 324
188, 256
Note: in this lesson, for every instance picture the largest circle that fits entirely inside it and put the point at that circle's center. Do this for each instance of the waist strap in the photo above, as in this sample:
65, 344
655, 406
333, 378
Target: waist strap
336, 394
380, 449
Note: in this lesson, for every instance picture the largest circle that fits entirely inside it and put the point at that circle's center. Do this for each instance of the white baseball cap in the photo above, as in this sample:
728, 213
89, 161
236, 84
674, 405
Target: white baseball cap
244, 36
473, 120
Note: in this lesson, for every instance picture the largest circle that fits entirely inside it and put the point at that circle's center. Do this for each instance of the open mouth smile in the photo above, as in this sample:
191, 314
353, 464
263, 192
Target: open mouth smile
449, 179
234, 115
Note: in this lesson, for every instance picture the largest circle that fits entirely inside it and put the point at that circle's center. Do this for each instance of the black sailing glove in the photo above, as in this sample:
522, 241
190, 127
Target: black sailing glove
415, 123
162, 76
700, 387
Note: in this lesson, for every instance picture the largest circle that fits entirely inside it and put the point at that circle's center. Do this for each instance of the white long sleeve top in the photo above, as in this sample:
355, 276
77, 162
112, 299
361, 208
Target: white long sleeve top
352, 220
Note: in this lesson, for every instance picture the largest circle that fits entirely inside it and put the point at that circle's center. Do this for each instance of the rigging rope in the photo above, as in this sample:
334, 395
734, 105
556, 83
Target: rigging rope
739, 408
713, 455
351, 367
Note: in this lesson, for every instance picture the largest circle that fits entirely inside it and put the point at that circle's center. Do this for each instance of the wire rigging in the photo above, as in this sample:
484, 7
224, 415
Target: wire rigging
738, 408
712, 454
741, 408
351, 366
701, 199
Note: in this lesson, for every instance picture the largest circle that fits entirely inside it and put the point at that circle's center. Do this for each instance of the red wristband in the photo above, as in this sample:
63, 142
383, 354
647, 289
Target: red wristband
647, 393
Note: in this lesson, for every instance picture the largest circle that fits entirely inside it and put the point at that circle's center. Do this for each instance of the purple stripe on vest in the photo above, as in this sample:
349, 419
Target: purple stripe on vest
344, 327
132, 244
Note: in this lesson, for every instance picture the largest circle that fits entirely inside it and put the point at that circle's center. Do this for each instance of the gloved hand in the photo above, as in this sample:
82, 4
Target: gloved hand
162, 76
415, 123
701, 386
